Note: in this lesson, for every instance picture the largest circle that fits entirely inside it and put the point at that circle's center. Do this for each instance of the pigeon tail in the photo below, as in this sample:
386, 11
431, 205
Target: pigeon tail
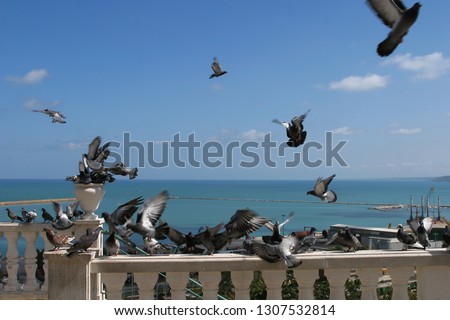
292, 261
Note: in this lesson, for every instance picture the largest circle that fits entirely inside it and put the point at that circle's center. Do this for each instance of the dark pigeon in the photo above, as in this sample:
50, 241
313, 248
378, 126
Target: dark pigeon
345, 238
276, 236
186, 243
275, 252
396, 16
13, 216
85, 241
46, 216
217, 69
294, 130
321, 190
112, 245
407, 238
57, 240
446, 236
57, 117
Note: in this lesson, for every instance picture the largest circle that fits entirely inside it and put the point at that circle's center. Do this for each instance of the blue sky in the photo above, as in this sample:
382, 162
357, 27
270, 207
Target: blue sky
142, 68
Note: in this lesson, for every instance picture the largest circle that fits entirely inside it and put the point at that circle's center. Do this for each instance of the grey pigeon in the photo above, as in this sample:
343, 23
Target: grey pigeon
13, 216
307, 242
57, 240
28, 216
276, 252
62, 221
112, 245
85, 241
294, 130
407, 238
421, 229
120, 169
396, 16
345, 238
216, 69
46, 216
118, 220
186, 243
446, 236
57, 117
321, 190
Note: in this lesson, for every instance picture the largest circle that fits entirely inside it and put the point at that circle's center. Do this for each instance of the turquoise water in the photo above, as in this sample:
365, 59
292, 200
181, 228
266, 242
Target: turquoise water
272, 199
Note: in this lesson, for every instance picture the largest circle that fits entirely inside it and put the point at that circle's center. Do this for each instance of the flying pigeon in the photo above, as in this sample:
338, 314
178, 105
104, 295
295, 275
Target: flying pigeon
189, 240
294, 130
217, 69
276, 252
118, 220
396, 16
408, 239
147, 217
46, 216
28, 216
446, 236
120, 169
57, 117
112, 245
321, 190
85, 241
276, 236
57, 240
345, 238
13, 216
62, 221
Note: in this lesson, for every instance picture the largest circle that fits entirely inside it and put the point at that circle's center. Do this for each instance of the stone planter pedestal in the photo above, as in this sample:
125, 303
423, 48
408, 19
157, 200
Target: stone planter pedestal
89, 197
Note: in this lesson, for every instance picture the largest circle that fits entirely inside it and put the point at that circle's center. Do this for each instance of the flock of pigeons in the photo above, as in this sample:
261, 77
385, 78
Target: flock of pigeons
272, 248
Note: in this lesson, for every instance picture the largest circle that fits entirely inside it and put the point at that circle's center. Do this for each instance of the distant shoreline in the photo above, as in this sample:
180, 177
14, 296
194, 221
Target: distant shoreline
18, 202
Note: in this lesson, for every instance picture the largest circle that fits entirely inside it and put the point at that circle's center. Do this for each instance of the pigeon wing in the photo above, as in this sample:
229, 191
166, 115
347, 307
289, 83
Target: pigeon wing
331, 196
152, 210
125, 211
427, 224
93, 148
265, 251
389, 11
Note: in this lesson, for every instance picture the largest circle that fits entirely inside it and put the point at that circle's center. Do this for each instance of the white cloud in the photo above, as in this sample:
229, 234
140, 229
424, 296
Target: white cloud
358, 83
32, 77
406, 131
33, 103
252, 134
343, 131
426, 67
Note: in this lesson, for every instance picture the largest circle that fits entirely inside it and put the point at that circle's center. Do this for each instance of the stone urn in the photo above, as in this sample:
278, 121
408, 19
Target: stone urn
89, 197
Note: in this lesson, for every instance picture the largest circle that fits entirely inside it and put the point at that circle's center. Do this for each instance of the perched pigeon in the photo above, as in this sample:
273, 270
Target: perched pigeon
446, 236
28, 216
217, 69
85, 241
46, 216
345, 238
321, 189
118, 220
120, 169
112, 245
13, 216
276, 236
294, 130
57, 240
276, 252
307, 242
147, 217
421, 229
396, 16
62, 221
406, 238
57, 117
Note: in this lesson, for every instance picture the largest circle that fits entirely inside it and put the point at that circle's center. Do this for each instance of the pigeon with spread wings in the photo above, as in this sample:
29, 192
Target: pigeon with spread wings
294, 130
396, 16
217, 69
57, 117
321, 189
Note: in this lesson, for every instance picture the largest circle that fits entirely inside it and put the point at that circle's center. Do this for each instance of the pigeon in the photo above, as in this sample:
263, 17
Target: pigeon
85, 241
294, 130
321, 190
62, 221
112, 245
217, 69
307, 242
421, 229
46, 216
57, 240
275, 252
446, 236
189, 240
147, 217
28, 216
120, 169
406, 238
396, 16
118, 220
13, 216
345, 238
213, 240
57, 117
276, 236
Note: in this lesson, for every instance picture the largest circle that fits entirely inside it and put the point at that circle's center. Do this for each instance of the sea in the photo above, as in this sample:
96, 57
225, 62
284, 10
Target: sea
197, 203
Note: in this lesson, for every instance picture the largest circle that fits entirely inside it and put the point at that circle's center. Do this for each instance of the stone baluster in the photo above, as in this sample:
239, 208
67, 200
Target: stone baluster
12, 254
241, 281
306, 280
369, 282
274, 280
114, 283
177, 282
210, 282
400, 278
30, 236
146, 283
337, 279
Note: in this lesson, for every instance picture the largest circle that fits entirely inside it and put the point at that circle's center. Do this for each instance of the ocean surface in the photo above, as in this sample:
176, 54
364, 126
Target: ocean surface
197, 203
